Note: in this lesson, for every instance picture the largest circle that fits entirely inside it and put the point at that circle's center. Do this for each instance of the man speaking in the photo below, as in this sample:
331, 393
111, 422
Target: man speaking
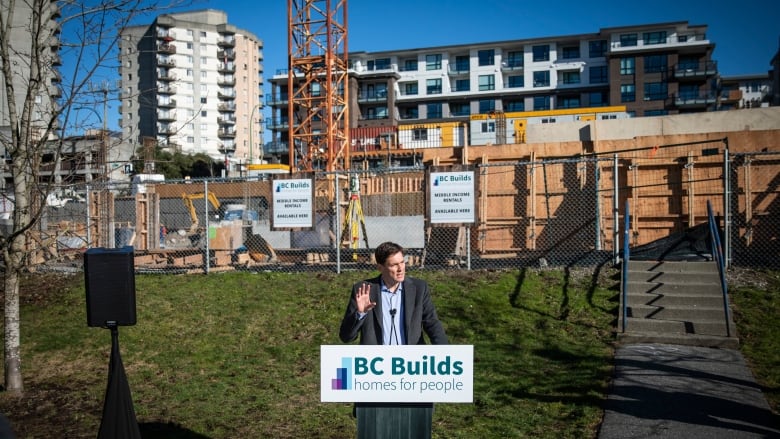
392, 309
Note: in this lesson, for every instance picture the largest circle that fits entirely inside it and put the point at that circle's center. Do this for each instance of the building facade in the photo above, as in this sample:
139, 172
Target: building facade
194, 82
650, 70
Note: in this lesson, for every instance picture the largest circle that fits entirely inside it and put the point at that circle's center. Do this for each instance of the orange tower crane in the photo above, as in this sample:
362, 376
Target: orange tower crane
318, 84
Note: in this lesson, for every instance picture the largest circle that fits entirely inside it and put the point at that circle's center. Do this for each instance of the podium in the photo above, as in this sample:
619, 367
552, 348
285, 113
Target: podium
394, 421
394, 388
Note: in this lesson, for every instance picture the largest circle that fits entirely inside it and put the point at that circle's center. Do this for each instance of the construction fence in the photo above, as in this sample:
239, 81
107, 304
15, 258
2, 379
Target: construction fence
536, 212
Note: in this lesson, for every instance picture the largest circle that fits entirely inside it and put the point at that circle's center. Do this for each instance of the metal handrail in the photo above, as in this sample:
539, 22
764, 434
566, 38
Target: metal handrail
626, 257
717, 254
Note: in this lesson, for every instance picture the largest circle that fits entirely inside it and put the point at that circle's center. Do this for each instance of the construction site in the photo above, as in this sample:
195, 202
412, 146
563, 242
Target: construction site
553, 193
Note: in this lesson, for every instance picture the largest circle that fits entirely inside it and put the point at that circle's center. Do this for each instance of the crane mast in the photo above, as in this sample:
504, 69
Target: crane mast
318, 84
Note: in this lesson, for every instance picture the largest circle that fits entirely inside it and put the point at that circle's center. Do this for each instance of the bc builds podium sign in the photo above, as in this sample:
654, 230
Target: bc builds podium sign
397, 374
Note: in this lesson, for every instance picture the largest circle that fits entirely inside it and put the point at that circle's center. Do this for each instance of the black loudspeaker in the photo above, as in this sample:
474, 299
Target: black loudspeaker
110, 285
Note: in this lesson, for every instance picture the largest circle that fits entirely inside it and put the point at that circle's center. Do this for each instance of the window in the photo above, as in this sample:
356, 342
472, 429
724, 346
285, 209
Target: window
654, 37
204, 127
569, 78
541, 103
655, 91
433, 62
410, 113
688, 63
203, 34
656, 112
599, 75
514, 59
541, 53
203, 74
597, 48
514, 106
628, 40
462, 63
188, 59
433, 86
569, 101
627, 93
542, 79
379, 64
655, 63
420, 134
627, 66
316, 89
689, 91
462, 85
204, 113
203, 100
410, 88
598, 99
190, 139
516, 81
487, 106
189, 46
204, 60
433, 110
460, 109
189, 33
189, 73
571, 52
488, 127
486, 57
487, 82
410, 65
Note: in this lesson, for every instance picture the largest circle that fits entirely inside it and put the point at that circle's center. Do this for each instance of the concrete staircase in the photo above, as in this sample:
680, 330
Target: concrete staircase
675, 303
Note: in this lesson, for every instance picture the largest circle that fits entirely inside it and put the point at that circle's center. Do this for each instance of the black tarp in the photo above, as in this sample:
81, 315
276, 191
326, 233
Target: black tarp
119, 420
693, 244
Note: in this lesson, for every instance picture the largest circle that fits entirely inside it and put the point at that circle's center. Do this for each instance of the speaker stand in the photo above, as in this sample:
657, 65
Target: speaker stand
118, 420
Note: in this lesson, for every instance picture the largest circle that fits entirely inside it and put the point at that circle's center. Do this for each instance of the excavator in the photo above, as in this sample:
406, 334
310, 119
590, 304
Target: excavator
253, 243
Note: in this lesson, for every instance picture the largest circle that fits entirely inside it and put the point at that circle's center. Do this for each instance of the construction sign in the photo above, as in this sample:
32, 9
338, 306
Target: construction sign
293, 201
452, 197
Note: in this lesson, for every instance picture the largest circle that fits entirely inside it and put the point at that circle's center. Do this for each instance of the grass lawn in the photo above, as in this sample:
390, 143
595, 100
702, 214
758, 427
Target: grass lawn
237, 354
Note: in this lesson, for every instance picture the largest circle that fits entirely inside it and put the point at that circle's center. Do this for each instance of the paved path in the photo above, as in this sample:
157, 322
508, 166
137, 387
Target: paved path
671, 391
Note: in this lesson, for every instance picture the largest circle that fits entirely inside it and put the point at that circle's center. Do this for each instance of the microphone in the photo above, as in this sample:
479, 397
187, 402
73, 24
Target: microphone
392, 312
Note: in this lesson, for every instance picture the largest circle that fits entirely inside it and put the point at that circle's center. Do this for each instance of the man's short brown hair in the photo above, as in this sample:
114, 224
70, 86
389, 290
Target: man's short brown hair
385, 250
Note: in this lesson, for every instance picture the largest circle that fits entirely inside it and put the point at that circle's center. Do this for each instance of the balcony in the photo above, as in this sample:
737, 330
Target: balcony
693, 100
277, 124
275, 101
165, 130
55, 91
166, 75
226, 54
226, 120
226, 95
165, 34
166, 48
512, 66
458, 70
169, 103
166, 116
166, 90
226, 81
56, 59
226, 148
379, 96
227, 41
226, 132
165, 61
226, 67
700, 70
227, 106
730, 96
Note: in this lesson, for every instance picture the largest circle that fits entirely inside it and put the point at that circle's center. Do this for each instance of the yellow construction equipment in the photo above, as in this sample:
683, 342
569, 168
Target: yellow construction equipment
187, 198
354, 221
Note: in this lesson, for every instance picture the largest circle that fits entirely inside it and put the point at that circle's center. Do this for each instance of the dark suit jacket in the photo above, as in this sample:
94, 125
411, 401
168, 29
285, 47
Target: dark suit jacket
419, 315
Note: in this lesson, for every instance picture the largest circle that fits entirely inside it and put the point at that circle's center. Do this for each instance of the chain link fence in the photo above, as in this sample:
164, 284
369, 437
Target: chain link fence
538, 212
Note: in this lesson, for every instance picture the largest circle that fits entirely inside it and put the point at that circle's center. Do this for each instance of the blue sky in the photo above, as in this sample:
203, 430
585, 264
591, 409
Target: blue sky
746, 33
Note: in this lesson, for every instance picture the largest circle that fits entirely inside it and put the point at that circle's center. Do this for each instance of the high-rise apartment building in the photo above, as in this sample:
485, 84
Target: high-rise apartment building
652, 69
194, 83
22, 24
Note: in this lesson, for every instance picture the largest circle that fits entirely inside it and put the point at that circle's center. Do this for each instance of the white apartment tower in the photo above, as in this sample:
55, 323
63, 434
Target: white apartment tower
194, 83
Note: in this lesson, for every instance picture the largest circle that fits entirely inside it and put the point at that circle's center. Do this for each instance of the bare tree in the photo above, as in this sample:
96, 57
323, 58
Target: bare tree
39, 94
